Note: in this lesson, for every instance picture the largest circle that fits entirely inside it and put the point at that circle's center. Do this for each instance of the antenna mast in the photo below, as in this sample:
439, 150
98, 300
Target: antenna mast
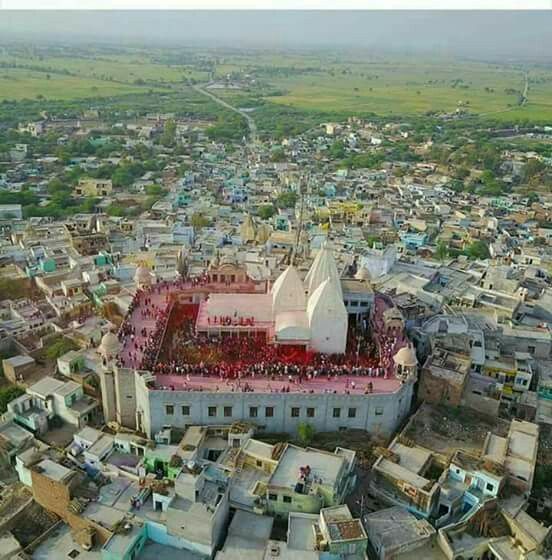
302, 189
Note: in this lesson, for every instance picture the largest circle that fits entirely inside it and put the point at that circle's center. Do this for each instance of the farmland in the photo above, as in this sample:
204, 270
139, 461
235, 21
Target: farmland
307, 85
397, 86
20, 84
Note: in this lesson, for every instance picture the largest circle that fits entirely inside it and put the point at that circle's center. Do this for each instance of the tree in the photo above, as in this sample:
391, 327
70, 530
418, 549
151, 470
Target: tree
13, 289
125, 174
199, 221
305, 432
363, 161
60, 347
442, 251
491, 186
532, 197
267, 211
543, 478
183, 168
7, 394
337, 150
116, 210
278, 156
287, 200
461, 173
154, 190
372, 240
88, 204
228, 127
56, 186
168, 138
477, 250
532, 169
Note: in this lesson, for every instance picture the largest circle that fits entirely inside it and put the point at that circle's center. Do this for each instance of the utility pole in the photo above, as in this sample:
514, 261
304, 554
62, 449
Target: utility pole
300, 224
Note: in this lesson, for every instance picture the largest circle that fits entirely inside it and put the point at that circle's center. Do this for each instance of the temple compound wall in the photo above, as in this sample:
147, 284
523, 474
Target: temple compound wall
378, 413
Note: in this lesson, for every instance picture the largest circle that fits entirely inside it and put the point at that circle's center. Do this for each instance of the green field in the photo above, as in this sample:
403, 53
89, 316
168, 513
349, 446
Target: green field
20, 84
121, 68
324, 82
402, 89
396, 85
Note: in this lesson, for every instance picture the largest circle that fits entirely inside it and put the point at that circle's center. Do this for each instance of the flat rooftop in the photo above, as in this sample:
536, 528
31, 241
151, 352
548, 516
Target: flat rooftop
53, 470
450, 361
413, 458
341, 525
396, 526
60, 544
340, 385
14, 434
301, 530
18, 361
248, 536
398, 472
118, 544
324, 466
235, 306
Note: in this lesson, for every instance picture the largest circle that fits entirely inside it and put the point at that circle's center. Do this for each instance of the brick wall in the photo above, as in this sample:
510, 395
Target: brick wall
55, 496
436, 390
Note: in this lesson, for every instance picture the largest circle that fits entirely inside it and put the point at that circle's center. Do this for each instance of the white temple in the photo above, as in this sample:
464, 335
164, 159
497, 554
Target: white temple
323, 267
309, 313
328, 318
322, 319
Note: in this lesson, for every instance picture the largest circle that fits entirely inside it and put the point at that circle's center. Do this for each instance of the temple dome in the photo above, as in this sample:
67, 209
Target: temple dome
248, 230
109, 345
328, 319
323, 267
406, 357
288, 292
143, 276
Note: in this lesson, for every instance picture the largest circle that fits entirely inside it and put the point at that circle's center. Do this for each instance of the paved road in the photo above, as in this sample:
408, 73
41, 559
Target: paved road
250, 122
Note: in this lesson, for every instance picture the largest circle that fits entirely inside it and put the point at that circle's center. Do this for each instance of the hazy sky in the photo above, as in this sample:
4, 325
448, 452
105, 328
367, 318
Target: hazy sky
477, 33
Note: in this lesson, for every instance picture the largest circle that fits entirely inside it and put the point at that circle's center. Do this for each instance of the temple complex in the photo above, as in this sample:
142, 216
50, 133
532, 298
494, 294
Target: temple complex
221, 347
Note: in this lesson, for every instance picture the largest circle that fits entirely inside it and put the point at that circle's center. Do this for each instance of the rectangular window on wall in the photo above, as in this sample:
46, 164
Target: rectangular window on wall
169, 409
212, 411
352, 413
379, 411
253, 412
185, 410
310, 412
227, 411
295, 412
269, 411
336, 412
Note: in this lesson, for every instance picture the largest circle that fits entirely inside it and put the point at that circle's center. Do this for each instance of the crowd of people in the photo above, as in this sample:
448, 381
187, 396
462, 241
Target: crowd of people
236, 357
169, 345
141, 345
